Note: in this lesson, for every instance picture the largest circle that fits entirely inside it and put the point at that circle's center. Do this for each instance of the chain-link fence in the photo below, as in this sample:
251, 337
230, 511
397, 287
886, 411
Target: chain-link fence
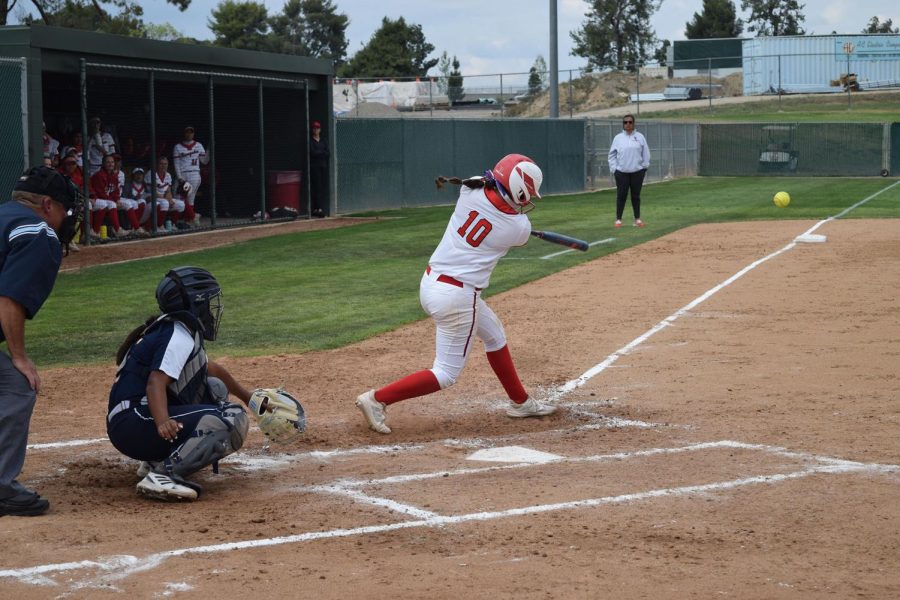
808, 149
241, 142
13, 121
391, 163
674, 149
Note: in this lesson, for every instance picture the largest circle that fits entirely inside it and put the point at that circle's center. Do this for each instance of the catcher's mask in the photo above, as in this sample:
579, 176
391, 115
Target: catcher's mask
519, 180
50, 182
196, 291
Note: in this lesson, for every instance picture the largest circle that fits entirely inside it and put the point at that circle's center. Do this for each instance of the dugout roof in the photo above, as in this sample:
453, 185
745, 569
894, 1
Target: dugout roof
60, 50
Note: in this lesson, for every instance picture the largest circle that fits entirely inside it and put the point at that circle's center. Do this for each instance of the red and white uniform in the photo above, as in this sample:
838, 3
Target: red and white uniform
187, 158
134, 196
163, 186
104, 188
481, 231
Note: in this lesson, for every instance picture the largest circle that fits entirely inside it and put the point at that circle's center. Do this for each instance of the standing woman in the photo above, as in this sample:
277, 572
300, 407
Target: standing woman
629, 157
318, 170
488, 220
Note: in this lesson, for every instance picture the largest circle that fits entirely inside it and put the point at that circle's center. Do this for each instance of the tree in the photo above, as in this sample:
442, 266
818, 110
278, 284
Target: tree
455, 83
876, 26
616, 33
443, 66
540, 65
718, 20
395, 50
534, 82
661, 55
774, 17
241, 25
310, 28
164, 31
85, 14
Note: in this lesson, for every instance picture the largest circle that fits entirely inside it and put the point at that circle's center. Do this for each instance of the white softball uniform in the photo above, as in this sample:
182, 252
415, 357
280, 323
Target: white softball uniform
99, 146
135, 196
186, 158
481, 231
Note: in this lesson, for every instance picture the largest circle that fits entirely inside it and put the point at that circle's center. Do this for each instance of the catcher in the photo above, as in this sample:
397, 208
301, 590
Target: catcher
169, 404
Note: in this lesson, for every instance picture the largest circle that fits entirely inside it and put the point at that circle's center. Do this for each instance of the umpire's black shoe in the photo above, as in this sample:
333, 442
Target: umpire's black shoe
25, 504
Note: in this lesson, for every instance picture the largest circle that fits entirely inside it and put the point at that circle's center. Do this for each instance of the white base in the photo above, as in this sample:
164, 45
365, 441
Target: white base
810, 238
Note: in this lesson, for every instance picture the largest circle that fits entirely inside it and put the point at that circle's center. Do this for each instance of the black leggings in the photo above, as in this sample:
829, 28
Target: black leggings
624, 182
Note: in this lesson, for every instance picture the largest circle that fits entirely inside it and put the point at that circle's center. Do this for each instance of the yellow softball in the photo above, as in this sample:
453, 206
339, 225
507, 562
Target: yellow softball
781, 199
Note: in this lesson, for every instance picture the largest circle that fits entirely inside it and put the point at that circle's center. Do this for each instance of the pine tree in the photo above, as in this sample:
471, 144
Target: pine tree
616, 33
717, 20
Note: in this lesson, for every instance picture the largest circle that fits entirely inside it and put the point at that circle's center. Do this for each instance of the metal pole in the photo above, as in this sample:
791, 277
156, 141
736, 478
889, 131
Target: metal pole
262, 153
554, 63
431, 96
307, 183
709, 81
571, 99
779, 83
849, 102
153, 158
23, 84
86, 224
638, 71
212, 152
502, 100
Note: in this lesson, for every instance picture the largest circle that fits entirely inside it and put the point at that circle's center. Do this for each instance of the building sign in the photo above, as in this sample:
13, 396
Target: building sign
863, 47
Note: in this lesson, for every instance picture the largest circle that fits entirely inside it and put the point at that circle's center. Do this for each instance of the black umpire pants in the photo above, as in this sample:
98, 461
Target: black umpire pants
629, 181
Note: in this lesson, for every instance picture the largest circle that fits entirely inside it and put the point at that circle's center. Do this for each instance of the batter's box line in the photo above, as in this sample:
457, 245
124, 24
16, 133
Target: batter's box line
121, 566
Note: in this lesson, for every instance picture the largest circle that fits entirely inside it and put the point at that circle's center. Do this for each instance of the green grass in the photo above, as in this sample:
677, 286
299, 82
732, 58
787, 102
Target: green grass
863, 107
324, 289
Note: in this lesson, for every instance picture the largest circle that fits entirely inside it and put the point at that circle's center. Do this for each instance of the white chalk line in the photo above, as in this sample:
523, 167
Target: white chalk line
122, 566
561, 252
629, 347
604, 423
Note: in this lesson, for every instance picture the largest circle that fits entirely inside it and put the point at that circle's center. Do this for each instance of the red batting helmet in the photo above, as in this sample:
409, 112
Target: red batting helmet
519, 180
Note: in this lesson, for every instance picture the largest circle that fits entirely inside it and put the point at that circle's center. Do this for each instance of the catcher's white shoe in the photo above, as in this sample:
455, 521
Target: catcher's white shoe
529, 408
163, 487
373, 411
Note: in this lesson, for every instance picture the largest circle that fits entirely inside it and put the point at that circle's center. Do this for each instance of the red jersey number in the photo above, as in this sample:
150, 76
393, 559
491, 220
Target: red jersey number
475, 231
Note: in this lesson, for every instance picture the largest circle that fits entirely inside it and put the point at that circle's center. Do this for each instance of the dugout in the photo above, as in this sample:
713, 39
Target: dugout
251, 110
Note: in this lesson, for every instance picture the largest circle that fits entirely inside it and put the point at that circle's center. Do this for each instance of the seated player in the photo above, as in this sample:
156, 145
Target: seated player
164, 190
169, 404
105, 197
138, 190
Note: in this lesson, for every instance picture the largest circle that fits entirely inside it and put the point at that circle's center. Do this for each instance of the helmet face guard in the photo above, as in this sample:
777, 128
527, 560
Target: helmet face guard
196, 291
48, 182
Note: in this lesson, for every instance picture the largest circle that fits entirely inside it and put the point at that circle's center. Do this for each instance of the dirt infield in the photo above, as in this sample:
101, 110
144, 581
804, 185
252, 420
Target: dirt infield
713, 440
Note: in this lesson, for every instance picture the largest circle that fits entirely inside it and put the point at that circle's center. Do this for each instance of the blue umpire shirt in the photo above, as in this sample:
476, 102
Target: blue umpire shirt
30, 256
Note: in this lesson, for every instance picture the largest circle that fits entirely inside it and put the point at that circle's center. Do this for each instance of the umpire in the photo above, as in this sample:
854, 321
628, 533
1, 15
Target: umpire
34, 226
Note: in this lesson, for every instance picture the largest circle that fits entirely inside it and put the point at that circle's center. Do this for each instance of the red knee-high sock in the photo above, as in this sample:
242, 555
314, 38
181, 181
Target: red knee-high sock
114, 218
411, 386
502, 364
97, 219
131, 213
188, 212
160, 217
174, 216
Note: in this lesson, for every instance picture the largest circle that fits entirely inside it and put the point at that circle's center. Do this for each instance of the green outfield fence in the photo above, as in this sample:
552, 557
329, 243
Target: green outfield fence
392, 163
13, 118
803, 149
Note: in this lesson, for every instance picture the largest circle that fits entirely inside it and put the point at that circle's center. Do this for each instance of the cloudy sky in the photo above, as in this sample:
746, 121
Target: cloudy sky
505, 36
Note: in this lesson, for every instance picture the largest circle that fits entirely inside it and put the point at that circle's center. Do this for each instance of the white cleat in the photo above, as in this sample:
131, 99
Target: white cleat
163, 487
373, 411
529, 408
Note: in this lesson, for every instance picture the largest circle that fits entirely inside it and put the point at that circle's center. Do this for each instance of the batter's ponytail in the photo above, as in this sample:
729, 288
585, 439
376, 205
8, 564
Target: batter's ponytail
472, 183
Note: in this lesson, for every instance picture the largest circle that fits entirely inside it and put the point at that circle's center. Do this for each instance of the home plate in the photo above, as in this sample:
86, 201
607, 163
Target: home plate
810, 238
513, 454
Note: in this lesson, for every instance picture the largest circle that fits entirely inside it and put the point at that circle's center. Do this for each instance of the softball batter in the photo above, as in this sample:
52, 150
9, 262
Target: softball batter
488, 220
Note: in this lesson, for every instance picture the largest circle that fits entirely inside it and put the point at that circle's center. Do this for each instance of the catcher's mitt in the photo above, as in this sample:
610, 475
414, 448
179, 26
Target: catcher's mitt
278, 414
